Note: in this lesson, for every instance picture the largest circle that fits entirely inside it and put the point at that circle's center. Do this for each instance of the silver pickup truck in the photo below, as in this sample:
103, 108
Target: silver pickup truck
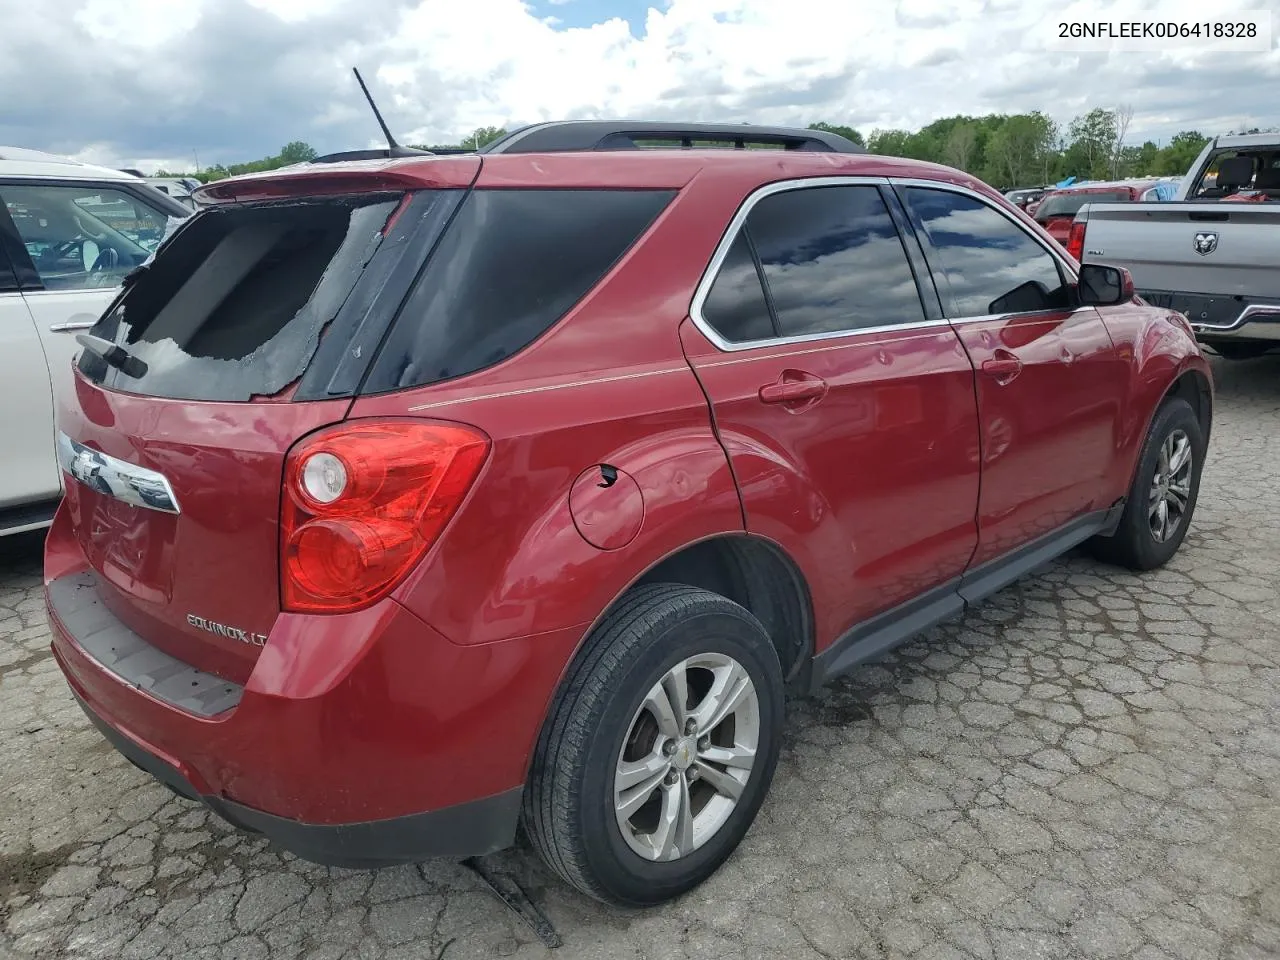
1212, 254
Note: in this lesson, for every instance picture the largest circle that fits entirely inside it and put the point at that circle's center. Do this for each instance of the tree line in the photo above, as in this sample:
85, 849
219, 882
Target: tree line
1005, 150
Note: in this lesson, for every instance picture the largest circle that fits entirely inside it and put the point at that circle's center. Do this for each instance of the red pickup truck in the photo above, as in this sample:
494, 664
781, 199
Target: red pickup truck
1058, 208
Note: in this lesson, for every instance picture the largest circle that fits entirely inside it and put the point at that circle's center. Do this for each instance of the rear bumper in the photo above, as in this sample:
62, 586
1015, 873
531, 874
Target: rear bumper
468, 829
1222, 317
357, 739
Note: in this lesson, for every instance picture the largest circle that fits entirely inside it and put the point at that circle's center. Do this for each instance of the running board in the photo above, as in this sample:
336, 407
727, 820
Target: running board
885, 631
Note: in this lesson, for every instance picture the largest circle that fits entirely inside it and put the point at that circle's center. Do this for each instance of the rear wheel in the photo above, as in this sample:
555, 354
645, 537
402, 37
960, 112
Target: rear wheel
659, 749
1164, 491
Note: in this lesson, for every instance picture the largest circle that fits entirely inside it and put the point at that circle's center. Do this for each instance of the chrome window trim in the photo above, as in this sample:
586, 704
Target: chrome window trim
731, 234
107, 475
113, 289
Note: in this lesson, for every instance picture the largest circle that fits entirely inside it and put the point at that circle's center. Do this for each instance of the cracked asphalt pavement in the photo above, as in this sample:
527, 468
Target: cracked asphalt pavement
1088, 765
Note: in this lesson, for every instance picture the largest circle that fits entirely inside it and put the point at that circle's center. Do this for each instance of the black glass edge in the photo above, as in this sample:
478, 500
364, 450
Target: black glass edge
354, 337
926, 285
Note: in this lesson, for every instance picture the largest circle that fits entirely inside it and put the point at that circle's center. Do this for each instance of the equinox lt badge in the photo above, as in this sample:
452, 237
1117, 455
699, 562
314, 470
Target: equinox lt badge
222, 630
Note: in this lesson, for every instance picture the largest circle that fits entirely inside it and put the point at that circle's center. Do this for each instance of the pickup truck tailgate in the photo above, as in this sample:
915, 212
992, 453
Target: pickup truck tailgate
1220, 249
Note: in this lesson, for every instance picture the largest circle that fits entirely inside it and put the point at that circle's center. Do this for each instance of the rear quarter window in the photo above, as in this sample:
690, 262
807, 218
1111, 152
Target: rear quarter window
512, 263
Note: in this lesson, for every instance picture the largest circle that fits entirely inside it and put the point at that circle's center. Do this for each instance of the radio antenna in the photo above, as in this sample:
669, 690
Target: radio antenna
386, 131
393, 149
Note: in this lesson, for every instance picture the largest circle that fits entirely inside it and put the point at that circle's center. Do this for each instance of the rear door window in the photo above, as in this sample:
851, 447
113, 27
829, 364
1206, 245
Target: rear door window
512, 263
736, 307
235, 303
833, 261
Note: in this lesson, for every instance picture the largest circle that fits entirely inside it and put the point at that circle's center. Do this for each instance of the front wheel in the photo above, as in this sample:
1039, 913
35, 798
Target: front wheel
660, 748
1164, 491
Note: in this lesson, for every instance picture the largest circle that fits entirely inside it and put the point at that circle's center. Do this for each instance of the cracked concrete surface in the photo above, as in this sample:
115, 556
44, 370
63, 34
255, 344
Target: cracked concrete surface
1086, 766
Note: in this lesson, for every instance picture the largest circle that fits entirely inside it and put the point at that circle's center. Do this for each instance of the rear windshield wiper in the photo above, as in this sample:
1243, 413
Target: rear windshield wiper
113, 355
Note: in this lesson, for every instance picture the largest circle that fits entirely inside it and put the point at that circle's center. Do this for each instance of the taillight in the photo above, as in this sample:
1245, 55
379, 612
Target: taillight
363, 501
1075, 239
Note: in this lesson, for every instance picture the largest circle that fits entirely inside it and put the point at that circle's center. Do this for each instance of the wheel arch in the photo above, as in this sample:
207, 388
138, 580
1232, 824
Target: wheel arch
750, 570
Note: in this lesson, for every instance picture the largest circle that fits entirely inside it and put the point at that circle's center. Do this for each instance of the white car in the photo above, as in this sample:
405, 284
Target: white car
69, 232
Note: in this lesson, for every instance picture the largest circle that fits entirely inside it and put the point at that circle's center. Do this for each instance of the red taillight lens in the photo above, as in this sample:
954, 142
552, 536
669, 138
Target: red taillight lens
363, 502
1075, 239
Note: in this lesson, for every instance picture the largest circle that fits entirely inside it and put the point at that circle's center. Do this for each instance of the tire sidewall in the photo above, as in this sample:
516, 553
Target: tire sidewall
626, 874
1176, 414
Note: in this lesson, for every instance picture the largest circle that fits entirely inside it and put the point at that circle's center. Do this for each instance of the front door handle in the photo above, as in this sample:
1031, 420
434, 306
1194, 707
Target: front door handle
794, 388
72, 325
1003, 366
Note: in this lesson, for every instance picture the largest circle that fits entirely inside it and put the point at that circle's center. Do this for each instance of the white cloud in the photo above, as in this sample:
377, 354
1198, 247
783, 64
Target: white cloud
234, 79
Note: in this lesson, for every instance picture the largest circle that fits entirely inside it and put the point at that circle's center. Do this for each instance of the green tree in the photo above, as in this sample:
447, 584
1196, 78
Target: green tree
1181, 152
847, 132
297, 152
891, 143
1091, 140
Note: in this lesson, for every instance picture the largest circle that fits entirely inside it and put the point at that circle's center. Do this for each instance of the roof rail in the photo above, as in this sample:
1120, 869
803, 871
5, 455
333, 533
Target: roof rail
600, 135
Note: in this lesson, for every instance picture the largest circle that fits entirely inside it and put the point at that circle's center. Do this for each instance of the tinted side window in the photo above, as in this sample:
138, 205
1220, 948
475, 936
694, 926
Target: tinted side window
833, 260
992, 264
736, 305
512, 263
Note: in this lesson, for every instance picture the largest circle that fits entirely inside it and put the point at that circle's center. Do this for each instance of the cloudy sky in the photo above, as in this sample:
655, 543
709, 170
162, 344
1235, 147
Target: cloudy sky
158, 82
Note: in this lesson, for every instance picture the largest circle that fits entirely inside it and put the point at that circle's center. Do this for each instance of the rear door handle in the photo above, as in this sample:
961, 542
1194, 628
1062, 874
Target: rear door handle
794, 387
1003, 366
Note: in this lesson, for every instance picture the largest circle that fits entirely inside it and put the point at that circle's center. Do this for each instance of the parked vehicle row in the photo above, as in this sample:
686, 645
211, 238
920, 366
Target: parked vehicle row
1211, 255
411, 499
69, 233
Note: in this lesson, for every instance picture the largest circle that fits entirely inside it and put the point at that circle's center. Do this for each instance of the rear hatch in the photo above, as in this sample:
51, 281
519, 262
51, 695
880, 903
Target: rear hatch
251, 328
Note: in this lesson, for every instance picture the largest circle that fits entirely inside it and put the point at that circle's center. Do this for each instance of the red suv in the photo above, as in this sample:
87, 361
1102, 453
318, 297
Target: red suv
412, 500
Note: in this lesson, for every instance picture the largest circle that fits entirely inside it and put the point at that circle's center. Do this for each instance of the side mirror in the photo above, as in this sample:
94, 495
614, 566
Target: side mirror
1102, 286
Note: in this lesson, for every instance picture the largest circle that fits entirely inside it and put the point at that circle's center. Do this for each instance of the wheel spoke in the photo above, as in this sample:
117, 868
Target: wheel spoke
731, 688
674, 834
1181, 456
1153, 503
659, 704
676, 686
1177, 499
1163, 469
633, 798
743, 758
1162, 519
631, 772
723, 783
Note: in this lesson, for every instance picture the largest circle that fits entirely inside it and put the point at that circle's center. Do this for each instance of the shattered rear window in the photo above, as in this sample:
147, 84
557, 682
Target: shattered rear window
235, 304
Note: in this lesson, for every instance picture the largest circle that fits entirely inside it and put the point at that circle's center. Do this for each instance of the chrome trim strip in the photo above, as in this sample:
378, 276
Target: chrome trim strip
712, 272
72, 325
1253, 313
78, 291
735, 225
116, 478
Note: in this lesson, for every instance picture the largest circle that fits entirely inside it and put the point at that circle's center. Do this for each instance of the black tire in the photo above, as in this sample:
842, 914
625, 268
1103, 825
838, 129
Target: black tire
1241, 350
1134, 545
569, 801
